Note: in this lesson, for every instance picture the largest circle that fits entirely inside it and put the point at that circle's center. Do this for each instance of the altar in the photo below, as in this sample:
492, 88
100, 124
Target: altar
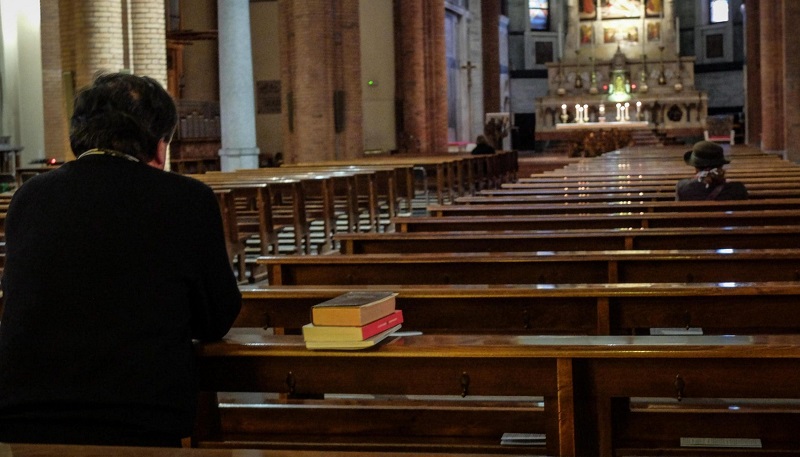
621, 70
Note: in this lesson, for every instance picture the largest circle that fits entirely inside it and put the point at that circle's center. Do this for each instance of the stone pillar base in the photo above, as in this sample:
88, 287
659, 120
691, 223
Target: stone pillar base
231, 159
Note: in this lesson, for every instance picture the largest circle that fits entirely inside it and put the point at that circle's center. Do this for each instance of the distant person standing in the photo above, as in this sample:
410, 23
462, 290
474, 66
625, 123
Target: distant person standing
482, 146
709, 181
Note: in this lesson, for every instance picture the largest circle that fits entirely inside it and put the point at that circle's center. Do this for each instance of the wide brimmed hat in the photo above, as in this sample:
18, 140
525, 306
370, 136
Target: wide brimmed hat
705, 154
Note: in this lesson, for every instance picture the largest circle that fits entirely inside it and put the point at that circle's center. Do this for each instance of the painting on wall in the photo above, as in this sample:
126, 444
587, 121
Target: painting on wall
587, 10
620, 9
587, 34
653, 31
619, 34
654, 8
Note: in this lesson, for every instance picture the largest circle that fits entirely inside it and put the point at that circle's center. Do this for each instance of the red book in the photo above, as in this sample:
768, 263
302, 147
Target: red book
313, 332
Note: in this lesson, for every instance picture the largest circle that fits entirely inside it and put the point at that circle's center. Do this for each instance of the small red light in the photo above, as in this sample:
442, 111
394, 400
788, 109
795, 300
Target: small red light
52, 161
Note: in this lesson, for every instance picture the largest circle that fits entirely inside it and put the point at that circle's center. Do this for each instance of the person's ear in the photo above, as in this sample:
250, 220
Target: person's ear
160, 160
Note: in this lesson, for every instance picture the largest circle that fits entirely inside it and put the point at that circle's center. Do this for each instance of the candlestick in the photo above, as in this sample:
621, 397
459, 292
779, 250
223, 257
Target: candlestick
638, 110
586, 113
564, 109
627, 111
619, 111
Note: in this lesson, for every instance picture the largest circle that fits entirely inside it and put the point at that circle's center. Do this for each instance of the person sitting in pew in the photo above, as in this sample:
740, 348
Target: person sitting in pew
112, 267
709, 181
482, 146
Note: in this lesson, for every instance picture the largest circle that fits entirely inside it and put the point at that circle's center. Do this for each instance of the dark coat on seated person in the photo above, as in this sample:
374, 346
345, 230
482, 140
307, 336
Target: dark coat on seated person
113, 267
709, 182
482, 146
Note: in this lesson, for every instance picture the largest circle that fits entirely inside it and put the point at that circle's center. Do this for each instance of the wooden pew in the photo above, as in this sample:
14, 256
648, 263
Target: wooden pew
51, 450
554, 267
745, 237
598, 221
586, 309
587, 384
512, 196
487, 206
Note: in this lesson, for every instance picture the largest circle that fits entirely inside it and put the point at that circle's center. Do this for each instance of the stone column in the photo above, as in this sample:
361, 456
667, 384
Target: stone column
753, 75
791, 81
236, 91
149, 37
772, 74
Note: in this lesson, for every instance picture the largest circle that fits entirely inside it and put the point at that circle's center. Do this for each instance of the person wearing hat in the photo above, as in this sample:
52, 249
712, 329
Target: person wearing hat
709, 182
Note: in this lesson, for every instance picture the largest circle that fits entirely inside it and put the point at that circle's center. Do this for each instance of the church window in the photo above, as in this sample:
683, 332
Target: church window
539, 12
718, 11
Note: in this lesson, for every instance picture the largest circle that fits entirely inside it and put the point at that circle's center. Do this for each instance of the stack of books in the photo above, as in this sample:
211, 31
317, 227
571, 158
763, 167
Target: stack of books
354, 320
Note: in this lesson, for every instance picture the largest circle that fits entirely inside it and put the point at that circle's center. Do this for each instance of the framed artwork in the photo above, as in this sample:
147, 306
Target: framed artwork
654, 8
587, 34
543, 52
268, 96
609, 35
631, 34
653, 31
620, 9
587, 10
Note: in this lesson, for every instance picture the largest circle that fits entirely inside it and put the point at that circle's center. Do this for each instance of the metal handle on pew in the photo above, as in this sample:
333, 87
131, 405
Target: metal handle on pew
687, 318
680, 384
464, 384
290, 382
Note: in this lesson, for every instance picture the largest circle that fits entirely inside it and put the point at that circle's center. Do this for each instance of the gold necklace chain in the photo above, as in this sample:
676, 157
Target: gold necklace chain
108, 152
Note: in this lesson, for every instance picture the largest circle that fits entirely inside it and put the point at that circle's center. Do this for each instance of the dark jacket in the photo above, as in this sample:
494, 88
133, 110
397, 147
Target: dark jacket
112, 268
692, 189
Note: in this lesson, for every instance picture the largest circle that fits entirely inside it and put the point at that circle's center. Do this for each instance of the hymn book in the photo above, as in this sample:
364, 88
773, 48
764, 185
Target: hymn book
354, 309
352, 345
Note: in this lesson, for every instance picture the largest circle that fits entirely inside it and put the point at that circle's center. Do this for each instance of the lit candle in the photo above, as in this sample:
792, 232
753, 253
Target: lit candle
638, 109
619, 111
602, 109
627, 111
564, 109
586, 113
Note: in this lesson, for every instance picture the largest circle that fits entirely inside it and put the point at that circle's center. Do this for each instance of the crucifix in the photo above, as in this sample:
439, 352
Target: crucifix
469, 67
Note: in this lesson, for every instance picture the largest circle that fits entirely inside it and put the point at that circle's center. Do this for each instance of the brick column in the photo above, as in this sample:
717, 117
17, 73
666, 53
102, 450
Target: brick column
56, 138
753, 75
421, 75
351, 81
436, 76
490, 47
321, 79
410, 39
791, 80
771, 35
237, 91
148, 34
99, 40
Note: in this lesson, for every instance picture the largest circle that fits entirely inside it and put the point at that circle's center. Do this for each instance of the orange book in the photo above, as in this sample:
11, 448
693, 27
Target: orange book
354, 309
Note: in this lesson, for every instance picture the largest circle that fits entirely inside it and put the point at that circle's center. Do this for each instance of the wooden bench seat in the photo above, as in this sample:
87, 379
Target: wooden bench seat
553, 267
744, 237
585, 309
511, 196
587, 384
631, 220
